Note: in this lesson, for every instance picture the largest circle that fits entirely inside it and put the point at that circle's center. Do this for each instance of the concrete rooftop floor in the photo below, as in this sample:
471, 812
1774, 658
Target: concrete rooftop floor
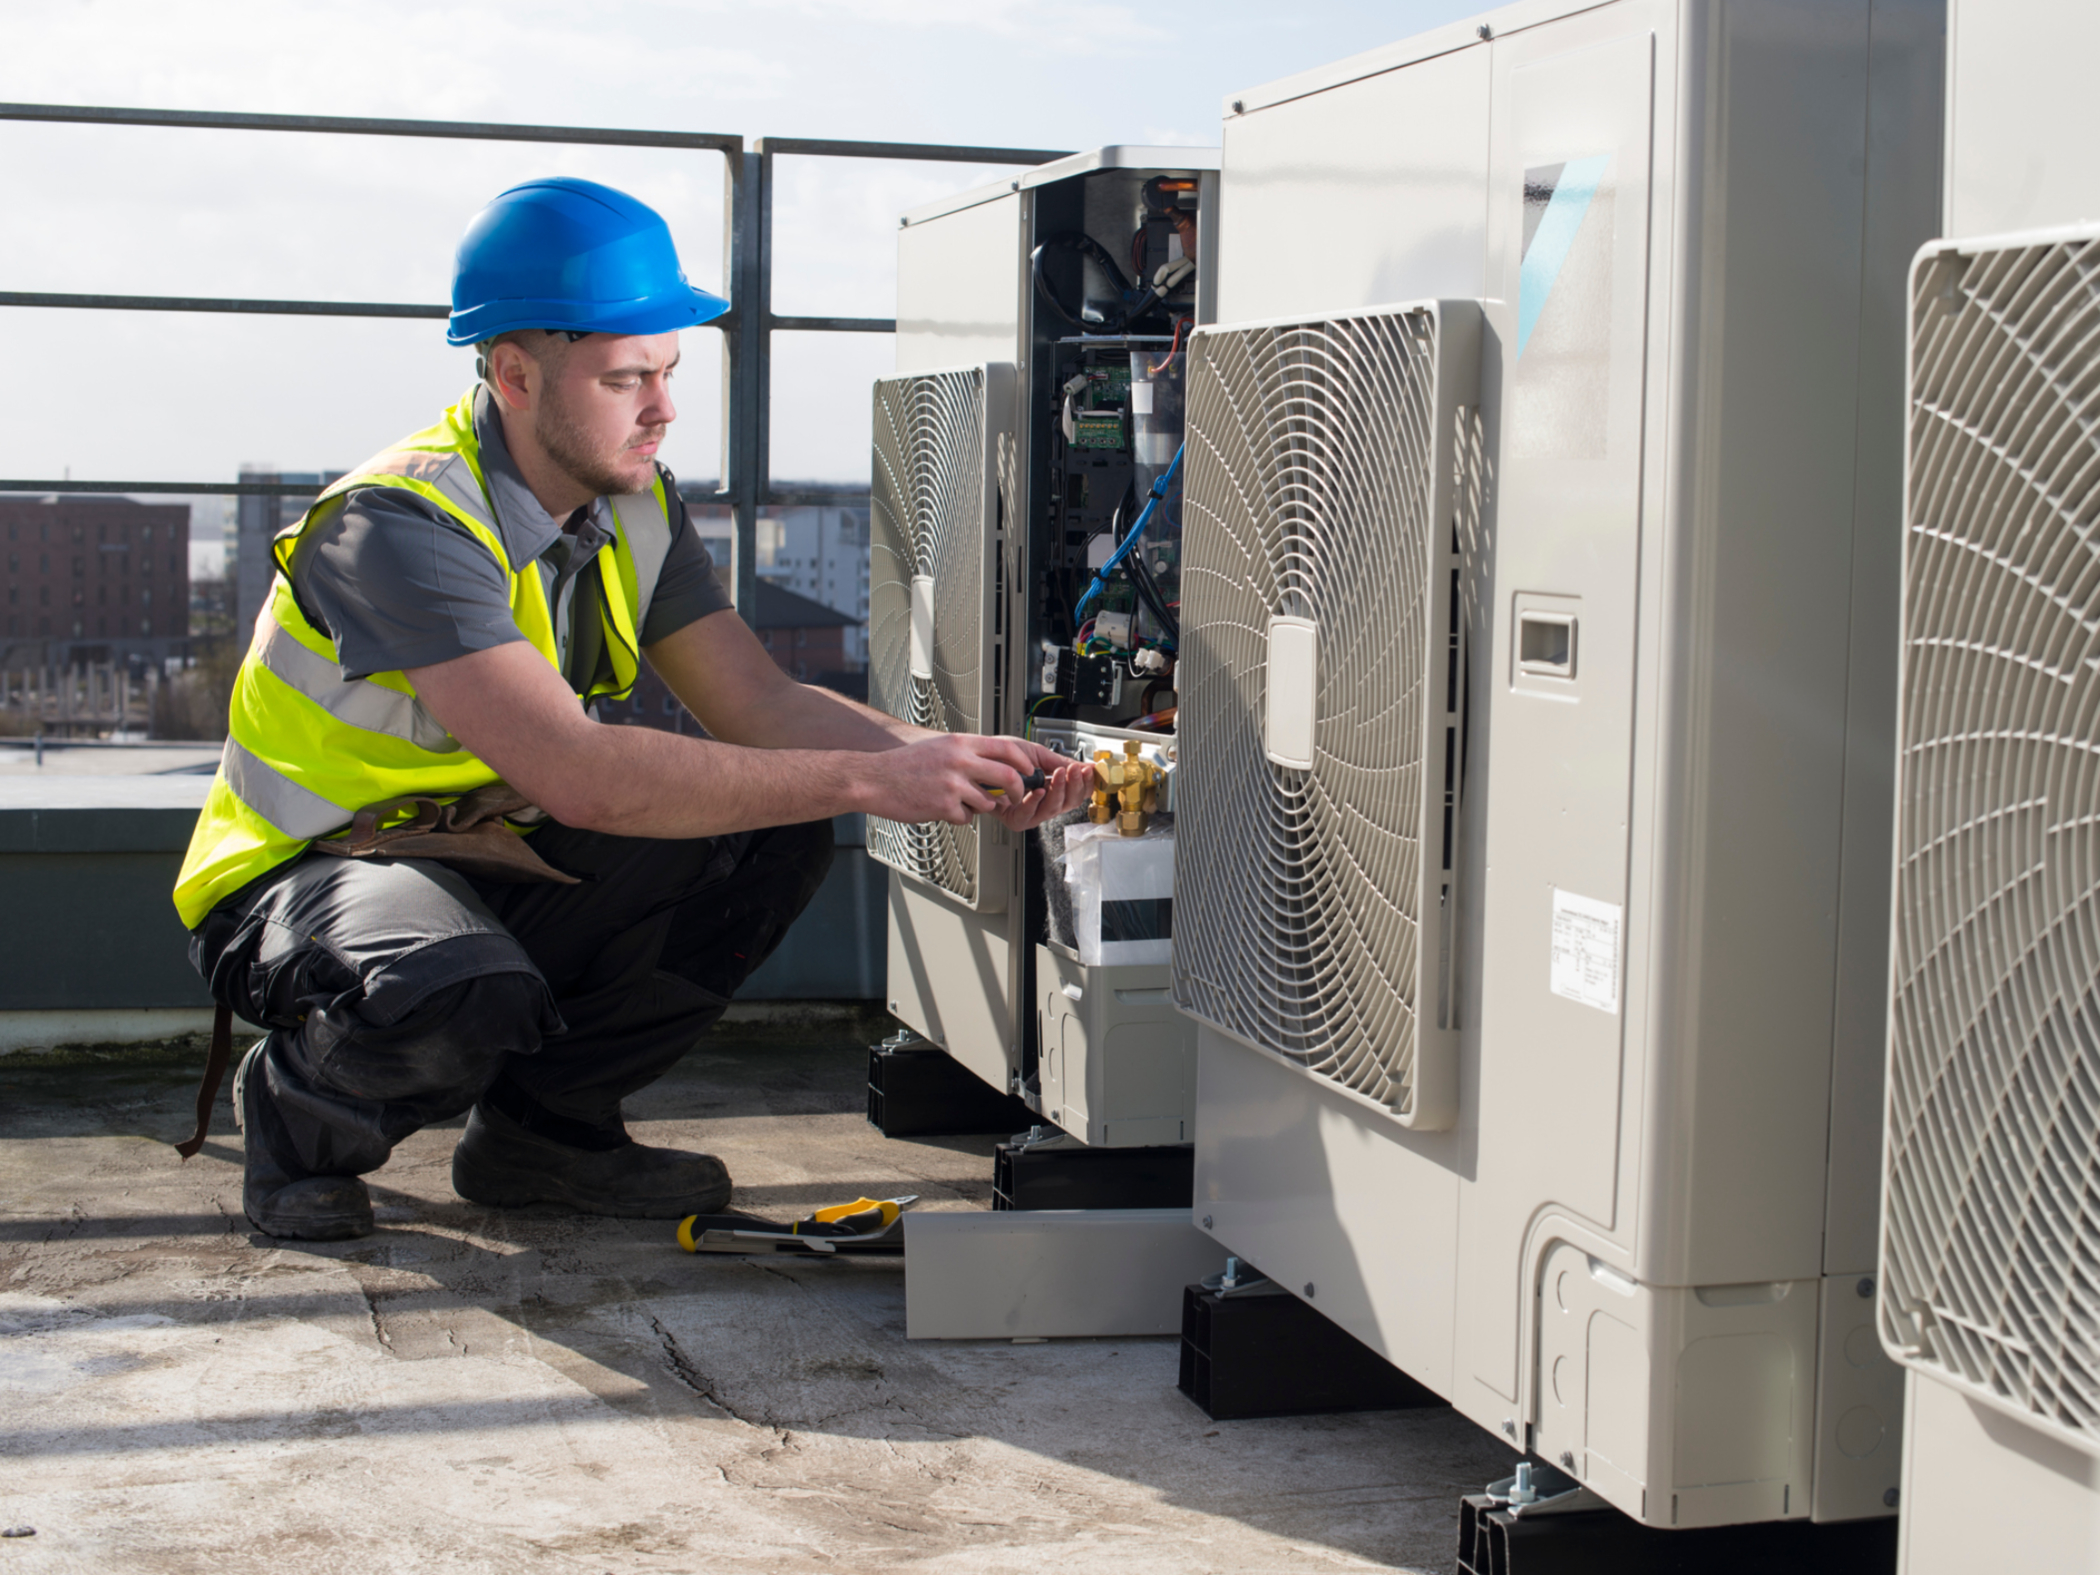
473, 1390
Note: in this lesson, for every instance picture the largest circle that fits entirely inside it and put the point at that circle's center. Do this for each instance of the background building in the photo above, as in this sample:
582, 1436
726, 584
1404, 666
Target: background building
817, 549
94, 579
806, 640
257, 520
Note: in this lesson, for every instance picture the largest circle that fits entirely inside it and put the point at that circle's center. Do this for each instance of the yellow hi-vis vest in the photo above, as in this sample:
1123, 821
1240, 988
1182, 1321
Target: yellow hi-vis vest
307, 748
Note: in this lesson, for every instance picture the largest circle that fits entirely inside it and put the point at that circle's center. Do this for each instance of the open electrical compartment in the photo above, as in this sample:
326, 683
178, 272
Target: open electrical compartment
1087, 278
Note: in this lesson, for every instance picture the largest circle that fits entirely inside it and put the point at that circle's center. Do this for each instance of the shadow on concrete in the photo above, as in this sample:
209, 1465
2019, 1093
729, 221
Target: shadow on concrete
799, 1348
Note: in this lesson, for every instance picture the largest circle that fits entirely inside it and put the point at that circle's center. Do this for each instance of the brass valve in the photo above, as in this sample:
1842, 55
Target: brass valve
1126, 789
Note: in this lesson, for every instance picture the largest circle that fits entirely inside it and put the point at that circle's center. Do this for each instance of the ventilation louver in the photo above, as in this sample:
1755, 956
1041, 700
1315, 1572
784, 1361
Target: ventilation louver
934, 558
1321, 686
1991, 1227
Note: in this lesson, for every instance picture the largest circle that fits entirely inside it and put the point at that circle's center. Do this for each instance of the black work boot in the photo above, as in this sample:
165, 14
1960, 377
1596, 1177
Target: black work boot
503, 1164
277, 1201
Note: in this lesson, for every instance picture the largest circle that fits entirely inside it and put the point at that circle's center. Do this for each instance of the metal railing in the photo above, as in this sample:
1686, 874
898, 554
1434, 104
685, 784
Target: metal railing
747, 328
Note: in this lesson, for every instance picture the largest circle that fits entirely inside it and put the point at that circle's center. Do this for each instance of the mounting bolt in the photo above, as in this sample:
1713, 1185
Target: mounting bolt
1890, 1497
1206, 1222
1308, 1287
1013, 185
1485, 31
1520, 1490
1865, 1287
1509, 1426
1567, 1459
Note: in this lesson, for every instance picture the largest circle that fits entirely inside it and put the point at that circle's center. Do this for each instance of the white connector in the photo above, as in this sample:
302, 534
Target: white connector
1073, 388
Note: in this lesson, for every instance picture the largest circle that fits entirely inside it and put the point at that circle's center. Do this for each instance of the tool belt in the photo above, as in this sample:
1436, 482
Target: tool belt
470, 834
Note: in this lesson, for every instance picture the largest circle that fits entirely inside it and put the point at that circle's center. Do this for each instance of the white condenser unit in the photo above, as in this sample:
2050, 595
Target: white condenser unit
943, 470
1541, 586
1991, 1221
998, 444
1322, 647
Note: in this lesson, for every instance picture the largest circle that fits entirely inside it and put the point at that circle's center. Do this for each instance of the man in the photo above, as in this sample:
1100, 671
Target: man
444, 620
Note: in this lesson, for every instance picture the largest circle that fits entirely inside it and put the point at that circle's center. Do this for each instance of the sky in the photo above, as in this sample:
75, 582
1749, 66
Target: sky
137, 396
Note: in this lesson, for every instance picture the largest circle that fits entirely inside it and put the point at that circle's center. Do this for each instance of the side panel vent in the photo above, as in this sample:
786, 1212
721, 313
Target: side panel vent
932, 625
1321, 685
1991, 1223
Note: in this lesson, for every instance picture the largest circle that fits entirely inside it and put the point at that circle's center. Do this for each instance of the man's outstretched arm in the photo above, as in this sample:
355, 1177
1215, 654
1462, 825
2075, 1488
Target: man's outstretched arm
515, 712
726, 679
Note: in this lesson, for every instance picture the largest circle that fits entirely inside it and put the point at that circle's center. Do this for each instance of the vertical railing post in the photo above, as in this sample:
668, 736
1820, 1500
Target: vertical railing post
745, 380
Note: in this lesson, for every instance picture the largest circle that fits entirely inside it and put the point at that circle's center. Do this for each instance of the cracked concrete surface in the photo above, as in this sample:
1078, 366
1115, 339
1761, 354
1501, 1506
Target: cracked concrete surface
475, 1390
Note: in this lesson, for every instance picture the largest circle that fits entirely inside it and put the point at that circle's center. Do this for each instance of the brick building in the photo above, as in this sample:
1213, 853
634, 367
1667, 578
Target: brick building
806, 639
93, 578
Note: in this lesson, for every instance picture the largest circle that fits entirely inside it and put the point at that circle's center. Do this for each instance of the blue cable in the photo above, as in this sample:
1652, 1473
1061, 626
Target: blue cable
1159, 492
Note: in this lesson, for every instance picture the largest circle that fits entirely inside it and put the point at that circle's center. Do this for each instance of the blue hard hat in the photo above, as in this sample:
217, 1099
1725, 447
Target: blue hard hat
570, 254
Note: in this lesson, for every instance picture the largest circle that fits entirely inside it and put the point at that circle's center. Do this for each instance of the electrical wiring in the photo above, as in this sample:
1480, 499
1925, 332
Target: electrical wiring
1130, 302
1181, 326
1149, 592
1160, 488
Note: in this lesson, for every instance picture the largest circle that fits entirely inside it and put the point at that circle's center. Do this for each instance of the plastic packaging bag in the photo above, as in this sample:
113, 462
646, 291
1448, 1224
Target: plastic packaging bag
1122, 891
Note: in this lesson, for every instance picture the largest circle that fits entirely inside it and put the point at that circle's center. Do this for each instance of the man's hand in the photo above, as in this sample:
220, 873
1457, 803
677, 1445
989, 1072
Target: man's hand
1067, 784
948, 777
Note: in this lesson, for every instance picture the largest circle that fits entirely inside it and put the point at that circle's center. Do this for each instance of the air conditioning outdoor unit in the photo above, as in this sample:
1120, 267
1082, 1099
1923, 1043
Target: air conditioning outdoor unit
1323, 636
1991, 1223
1541, 598
984, 452
943, 471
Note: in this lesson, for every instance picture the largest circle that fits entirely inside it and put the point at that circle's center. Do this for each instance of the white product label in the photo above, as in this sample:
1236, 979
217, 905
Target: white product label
1141, 398
1586, 950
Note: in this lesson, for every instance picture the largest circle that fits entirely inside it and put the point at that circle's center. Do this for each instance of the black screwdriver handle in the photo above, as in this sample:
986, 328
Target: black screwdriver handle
1034, 780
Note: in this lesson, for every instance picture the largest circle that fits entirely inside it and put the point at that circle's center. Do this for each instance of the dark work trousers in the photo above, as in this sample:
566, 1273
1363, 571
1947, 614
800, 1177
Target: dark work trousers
399, 991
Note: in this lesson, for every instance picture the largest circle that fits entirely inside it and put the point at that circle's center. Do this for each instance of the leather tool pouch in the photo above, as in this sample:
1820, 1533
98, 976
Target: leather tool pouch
469, 834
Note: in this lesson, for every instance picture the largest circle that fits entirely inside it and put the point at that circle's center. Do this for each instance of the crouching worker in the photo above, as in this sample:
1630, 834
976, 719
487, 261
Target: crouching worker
431, 871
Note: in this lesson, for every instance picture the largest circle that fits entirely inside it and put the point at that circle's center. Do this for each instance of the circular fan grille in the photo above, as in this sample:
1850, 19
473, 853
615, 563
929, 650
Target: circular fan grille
927, 520
1992, 1224
1298, 918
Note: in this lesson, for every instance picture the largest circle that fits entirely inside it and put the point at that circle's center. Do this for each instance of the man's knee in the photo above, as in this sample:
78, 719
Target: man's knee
443, 1048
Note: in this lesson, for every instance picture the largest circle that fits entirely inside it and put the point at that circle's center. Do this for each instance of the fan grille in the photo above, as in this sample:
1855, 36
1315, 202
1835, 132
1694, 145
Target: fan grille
927, 518
1315, 458
1992, 1224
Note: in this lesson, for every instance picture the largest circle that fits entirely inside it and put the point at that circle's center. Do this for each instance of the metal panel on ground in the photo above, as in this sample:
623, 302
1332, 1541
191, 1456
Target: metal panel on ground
1051, 1273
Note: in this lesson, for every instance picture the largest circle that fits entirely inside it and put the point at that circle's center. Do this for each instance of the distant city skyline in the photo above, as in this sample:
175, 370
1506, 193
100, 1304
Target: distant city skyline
136, 396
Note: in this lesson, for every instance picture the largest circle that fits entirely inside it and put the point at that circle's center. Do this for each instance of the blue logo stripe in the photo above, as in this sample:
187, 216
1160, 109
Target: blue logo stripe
1554, 238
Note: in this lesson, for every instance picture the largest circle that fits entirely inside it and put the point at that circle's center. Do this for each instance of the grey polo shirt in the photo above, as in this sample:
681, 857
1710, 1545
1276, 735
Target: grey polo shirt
396, 582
